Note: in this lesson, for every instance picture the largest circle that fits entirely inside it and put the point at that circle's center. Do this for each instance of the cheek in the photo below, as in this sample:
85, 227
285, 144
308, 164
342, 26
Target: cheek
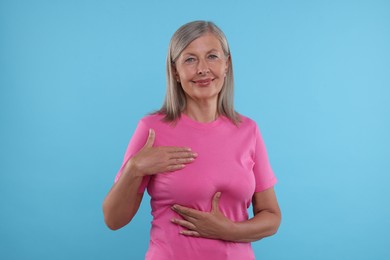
220, 69
184, 74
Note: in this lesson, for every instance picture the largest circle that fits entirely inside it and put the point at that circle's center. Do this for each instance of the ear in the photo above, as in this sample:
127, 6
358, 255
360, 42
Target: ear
177, 77
176, 74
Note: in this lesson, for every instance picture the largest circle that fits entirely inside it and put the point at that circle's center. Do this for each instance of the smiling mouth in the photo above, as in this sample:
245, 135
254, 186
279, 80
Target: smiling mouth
203, 82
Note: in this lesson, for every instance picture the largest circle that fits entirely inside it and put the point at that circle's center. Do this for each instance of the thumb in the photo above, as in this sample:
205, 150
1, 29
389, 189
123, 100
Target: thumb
215, 203
150, 140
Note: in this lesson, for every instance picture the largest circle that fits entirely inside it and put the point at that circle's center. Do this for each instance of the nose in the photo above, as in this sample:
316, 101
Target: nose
203, 67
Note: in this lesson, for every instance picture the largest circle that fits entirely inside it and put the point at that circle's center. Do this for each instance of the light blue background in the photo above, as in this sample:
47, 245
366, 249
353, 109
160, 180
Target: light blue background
76, 76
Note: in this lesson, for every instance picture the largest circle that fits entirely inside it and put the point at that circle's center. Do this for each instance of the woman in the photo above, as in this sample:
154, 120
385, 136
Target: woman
202, 163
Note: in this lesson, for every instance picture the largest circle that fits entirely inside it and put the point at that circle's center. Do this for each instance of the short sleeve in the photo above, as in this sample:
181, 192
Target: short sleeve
263, 172
136, 143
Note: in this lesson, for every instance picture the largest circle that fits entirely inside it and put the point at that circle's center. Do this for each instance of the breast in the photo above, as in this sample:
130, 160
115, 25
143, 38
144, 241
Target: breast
224, 164
214, 170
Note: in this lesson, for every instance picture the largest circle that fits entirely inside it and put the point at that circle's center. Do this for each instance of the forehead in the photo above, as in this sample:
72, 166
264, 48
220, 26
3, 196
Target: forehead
204, 43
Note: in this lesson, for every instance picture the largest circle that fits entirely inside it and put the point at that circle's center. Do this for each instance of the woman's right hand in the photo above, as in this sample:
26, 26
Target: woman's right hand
152, 160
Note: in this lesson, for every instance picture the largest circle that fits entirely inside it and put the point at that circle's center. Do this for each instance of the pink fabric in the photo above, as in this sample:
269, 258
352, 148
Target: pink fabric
231, 159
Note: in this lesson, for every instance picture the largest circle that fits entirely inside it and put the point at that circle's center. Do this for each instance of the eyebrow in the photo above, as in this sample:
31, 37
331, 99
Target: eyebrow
190, 53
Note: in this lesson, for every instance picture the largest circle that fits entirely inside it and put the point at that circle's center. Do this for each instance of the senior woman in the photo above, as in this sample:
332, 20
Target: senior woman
202, 163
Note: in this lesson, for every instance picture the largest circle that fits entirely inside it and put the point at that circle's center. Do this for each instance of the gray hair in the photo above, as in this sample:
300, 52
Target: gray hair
175, 100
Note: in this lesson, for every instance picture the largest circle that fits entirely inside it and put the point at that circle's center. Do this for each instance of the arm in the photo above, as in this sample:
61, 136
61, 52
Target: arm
265, 222
123, 200
215, 225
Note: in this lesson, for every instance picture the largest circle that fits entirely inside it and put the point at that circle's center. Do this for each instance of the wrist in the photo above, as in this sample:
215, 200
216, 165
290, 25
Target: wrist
231, 232
132, 170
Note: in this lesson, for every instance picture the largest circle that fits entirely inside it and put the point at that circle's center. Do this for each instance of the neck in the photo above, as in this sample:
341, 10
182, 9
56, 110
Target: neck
204, 113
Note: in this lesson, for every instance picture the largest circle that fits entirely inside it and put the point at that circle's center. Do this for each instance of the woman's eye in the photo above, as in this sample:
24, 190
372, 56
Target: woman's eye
189, 60
212, 57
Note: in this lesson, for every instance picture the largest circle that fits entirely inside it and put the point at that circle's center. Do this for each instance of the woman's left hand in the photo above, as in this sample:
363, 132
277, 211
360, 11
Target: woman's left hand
211, 224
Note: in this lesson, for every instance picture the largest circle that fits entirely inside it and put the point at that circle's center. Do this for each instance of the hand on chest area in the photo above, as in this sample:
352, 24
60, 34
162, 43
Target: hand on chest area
214, 170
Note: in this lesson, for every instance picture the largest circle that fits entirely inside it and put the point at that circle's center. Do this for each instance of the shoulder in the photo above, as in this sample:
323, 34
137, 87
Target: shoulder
247, 122
153, 121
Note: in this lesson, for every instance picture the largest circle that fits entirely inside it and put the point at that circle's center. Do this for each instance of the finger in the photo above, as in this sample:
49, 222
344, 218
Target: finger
187, 213
174, 167
178, 155
183, 223
215, 202
180, 161
175, 149
151, 137
189, 233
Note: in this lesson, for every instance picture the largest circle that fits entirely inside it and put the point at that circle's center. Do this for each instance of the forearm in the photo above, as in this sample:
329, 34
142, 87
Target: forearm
123, 200
263, 224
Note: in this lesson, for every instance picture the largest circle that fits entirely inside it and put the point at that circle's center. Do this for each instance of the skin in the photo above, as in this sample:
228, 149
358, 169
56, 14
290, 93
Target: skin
123, 200
201, 69
215, 225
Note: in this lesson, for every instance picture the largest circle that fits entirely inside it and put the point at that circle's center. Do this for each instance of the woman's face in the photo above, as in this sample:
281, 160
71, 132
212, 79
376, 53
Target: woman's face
201, 68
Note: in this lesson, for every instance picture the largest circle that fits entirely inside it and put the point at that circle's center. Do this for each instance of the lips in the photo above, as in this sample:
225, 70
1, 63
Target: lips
203, 82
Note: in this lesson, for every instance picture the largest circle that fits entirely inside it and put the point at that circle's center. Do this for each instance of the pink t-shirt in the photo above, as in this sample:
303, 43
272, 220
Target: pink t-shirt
231, 159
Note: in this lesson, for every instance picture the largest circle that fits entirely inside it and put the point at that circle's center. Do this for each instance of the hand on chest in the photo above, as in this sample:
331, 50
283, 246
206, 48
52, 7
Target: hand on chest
222, 164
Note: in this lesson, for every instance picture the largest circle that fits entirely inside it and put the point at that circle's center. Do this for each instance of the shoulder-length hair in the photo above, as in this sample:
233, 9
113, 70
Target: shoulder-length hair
175, 99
